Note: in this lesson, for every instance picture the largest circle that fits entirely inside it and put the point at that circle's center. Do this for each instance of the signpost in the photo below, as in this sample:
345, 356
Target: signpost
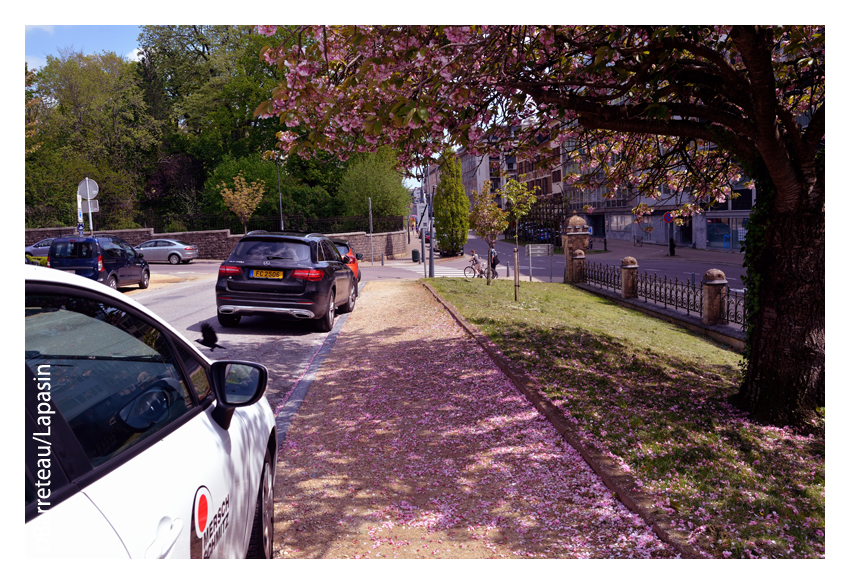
539, 250
87, 189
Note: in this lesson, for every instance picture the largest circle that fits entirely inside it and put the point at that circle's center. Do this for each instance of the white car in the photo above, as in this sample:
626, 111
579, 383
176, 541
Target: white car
137, 445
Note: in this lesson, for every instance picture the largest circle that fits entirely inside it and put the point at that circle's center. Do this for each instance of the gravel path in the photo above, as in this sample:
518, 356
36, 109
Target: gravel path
412, 444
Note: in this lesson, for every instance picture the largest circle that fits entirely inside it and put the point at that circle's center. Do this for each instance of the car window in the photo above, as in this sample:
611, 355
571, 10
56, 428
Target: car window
342, 249
164, 244
112, 375
256, 249
110, 248
71, 250
183, 243
196, 372
331, 255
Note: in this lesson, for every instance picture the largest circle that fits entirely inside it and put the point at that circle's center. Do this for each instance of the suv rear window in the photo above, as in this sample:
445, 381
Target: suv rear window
71, 250
268, 248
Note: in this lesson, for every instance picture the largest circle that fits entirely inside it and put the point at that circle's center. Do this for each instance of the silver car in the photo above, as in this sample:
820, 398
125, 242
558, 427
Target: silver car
172, 251
38, 249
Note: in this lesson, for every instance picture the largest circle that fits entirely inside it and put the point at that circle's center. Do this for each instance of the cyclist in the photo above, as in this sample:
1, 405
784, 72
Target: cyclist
476, 263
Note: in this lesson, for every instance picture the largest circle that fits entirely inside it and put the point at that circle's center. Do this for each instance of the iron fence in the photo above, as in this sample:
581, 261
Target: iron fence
603, 275
670, 293
673, 293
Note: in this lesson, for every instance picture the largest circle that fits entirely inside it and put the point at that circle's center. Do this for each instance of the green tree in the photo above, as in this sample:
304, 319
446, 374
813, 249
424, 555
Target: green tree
518, 202
92, 109
451, 208
486, 218
374, 176
243, 198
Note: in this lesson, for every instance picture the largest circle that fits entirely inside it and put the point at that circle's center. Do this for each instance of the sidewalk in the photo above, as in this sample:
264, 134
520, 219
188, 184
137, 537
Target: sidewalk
411, 443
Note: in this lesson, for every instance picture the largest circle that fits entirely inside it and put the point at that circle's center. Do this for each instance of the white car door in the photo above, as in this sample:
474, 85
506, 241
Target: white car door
168, 479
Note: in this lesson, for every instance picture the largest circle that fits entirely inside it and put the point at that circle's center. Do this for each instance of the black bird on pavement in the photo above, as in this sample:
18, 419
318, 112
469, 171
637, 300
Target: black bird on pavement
210, 339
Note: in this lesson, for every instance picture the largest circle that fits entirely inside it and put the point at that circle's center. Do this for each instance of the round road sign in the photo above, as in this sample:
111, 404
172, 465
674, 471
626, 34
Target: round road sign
87, 191
668, 217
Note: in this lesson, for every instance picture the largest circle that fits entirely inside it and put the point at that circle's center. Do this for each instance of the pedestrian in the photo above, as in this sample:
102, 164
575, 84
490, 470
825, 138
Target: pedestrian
494, 259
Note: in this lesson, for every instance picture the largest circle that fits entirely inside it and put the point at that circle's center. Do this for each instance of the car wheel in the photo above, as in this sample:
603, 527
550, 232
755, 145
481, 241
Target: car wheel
326, 323
146, 279
352, 298
174, 259
228, 320
112, 283
262, 531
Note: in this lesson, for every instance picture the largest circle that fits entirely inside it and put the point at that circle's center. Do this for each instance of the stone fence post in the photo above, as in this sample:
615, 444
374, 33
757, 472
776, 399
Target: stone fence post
714, 297
628, 273
577, 267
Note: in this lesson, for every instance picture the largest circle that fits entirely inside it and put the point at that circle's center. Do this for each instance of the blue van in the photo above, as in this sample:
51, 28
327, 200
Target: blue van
104, 258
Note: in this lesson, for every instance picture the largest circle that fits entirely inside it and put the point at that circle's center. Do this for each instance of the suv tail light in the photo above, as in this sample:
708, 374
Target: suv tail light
100, 263
225, 271
48, 261
309, 275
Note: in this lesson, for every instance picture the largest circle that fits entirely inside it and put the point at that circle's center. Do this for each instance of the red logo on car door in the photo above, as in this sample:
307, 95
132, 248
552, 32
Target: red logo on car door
207, 530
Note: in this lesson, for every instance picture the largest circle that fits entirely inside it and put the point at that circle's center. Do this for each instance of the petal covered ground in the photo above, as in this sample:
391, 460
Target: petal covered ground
412, 444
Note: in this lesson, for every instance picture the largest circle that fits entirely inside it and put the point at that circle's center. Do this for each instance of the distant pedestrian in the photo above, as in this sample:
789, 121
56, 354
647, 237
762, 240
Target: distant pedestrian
494, 259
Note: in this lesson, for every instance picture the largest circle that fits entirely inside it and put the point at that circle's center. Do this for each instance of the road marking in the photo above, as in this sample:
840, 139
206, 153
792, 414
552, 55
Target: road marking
439, 271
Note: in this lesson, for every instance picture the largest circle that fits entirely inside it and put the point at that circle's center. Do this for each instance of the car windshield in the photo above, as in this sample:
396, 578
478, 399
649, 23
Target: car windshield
254, 249
71, 249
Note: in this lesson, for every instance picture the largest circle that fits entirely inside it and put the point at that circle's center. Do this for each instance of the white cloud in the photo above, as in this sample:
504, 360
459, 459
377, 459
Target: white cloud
48, 28
35, 62
134, 55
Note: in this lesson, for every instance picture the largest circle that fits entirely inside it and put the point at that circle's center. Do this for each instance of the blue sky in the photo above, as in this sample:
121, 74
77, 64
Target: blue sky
49, 39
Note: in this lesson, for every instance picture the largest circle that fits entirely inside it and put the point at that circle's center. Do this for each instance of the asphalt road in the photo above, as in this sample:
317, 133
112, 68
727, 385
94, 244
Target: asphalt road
285, 348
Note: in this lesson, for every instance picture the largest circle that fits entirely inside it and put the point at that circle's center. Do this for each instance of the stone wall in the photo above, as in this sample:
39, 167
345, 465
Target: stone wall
217, 244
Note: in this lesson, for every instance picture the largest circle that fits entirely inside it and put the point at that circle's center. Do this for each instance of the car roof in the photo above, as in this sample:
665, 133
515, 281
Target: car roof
38, 274
298, 234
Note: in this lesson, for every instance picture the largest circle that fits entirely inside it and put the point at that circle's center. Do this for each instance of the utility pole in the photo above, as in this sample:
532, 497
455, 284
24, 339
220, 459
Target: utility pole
430, 222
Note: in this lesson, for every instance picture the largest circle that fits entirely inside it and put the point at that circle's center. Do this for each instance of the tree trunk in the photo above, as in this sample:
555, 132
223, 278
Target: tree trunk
784, 377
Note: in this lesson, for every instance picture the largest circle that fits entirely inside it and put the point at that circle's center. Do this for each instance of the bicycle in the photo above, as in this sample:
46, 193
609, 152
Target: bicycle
472, 272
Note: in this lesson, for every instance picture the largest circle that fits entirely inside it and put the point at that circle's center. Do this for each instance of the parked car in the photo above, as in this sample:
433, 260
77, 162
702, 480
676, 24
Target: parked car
172, 251
103, 258
344, 248
137, 445
291, 275
39, 249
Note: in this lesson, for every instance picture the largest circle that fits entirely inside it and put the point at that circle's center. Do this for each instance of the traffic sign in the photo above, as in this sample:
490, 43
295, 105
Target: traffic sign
87, 188
668, 217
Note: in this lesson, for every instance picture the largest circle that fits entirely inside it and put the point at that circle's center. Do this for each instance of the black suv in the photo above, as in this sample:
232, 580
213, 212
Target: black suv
292, 275
104, 258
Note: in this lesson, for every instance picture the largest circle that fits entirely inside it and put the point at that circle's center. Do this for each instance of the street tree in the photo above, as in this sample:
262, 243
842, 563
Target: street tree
694, 109
486, 218
451, 207
243, 198
374, 176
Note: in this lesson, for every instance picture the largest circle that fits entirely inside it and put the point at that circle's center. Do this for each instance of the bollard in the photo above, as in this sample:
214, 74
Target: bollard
508, 269
382, 259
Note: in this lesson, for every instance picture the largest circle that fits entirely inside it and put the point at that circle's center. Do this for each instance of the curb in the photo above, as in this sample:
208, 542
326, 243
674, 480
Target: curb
620, 482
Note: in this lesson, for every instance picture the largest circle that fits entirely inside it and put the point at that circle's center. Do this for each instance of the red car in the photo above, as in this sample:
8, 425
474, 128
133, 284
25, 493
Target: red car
345, 249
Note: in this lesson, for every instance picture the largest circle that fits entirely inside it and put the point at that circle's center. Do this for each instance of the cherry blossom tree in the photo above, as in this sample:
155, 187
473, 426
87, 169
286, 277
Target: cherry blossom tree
695, 109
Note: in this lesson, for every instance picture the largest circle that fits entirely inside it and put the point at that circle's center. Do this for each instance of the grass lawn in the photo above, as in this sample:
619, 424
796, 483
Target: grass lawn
654, 396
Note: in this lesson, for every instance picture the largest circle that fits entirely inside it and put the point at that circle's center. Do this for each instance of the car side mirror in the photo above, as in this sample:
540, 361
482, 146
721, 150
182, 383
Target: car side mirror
346, 259
359, 256
236, 384
141, 255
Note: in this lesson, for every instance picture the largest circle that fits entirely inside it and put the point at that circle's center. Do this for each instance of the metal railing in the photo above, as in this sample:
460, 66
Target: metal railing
672, 293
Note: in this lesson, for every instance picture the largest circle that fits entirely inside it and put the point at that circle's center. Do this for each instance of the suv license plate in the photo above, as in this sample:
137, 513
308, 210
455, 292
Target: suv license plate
268, 274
